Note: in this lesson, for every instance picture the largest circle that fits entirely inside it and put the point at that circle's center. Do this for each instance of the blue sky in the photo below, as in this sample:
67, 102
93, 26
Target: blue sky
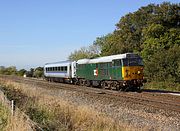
34, 32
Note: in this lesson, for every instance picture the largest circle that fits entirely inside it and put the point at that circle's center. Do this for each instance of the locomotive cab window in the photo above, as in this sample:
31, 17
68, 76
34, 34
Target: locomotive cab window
132, 62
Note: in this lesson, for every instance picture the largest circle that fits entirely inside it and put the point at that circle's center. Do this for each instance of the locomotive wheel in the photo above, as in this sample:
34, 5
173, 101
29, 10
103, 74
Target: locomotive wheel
81, 83
103, 84
88, 83
76, 82
110, 86
117, 87
126, 89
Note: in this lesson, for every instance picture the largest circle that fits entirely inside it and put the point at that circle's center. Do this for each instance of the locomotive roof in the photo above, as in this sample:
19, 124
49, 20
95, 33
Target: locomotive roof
107, 58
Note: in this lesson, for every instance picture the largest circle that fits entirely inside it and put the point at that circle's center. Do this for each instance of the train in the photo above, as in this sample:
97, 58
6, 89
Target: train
122, 72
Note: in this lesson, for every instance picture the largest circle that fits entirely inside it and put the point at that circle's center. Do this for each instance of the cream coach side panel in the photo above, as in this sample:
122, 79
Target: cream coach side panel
73, 69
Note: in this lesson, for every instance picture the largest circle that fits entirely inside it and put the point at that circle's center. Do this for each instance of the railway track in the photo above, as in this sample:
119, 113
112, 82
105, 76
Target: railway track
151, 100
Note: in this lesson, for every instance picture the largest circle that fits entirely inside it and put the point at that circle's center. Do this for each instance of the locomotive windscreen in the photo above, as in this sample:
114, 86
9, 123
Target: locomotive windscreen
132, 62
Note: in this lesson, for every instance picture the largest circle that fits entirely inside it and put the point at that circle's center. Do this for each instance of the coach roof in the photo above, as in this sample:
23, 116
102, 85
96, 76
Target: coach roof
56, 64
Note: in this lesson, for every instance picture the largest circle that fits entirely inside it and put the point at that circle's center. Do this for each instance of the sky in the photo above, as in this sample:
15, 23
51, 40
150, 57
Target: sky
35, 32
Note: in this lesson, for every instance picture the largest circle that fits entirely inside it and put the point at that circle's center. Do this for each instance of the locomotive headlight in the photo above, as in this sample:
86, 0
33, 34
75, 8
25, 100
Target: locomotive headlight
139, 72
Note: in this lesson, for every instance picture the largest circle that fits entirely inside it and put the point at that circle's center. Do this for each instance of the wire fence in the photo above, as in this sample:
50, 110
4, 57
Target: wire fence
14, 110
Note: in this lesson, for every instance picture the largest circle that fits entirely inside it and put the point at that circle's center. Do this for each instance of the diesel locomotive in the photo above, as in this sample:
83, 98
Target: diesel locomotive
121, 72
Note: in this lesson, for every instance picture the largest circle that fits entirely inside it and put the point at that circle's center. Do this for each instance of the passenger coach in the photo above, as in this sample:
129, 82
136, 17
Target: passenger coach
64, 71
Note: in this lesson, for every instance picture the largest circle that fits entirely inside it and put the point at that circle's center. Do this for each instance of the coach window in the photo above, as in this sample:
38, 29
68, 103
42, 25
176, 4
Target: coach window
55, 68
65, 68
59, 68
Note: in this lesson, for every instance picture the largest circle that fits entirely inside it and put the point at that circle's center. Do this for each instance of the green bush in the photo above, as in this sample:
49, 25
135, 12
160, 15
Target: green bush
167, 86
164, 65
4, 114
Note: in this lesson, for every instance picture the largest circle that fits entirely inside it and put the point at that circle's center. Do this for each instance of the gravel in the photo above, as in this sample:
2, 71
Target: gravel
123, 111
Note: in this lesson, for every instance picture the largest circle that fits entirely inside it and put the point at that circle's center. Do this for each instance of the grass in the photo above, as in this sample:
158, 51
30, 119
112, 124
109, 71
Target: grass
18, 123
53, 113
10, 122
166, 86
4, 116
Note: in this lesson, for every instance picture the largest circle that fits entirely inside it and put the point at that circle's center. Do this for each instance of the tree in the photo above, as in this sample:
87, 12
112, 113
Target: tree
85, 52
164, 65
2, 69
8, 70
21, 72
158, 38
38, 72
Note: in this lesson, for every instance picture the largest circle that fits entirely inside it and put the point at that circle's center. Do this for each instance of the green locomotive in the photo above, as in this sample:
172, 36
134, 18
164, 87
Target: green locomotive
120, 72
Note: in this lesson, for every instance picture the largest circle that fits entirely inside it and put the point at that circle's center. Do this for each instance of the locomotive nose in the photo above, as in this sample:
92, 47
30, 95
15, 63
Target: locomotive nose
133, 72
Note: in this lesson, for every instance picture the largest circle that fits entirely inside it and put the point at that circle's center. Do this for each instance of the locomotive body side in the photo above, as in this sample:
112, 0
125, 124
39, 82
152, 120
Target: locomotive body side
117, 71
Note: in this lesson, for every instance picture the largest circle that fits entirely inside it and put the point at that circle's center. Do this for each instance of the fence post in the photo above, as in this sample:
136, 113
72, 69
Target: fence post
12, 107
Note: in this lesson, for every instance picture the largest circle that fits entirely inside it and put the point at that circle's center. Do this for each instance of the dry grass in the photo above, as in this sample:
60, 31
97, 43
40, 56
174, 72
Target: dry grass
9, 122
4, 116
17, 123
64, 115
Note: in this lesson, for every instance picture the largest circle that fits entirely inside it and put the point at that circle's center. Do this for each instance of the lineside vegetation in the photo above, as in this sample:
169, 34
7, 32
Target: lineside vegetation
53, 113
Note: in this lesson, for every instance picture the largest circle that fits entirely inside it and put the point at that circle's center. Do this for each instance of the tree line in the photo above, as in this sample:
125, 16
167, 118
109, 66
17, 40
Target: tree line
153, 32
33, 72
